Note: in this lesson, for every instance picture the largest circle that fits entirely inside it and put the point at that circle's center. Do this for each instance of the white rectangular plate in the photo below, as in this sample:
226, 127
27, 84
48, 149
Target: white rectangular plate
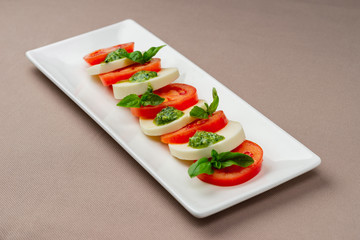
284, 157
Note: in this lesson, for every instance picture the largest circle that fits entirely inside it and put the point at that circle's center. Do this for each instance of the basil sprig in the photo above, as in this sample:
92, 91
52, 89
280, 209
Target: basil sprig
148, 98
219, 161
135, 56
199, 112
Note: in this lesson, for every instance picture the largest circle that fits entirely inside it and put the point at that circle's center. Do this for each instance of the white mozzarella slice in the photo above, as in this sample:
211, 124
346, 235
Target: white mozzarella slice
150, 128
234, 135
165, 76
110, 66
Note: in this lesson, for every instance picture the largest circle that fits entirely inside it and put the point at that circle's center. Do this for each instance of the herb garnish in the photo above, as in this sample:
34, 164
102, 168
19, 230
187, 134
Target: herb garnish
135, 56
198, 112
148, 98
219, 161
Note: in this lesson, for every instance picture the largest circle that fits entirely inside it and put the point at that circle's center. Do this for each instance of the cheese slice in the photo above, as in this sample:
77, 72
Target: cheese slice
234, 135
150, 128
109, 67
165, 77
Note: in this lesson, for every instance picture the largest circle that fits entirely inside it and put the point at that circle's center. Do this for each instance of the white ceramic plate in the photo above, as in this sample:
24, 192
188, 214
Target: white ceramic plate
284, 157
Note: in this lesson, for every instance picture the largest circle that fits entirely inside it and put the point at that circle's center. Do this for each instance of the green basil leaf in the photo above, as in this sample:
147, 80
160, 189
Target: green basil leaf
198, 112
226, 159
213, 106
136, 57
151, 52
131, 100
200, 166
207, 107
214, 155
224, 156
216, 164
243, 161
227, 163
152, 99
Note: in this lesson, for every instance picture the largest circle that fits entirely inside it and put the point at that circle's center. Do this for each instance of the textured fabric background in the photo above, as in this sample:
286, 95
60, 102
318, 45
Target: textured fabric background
296, 61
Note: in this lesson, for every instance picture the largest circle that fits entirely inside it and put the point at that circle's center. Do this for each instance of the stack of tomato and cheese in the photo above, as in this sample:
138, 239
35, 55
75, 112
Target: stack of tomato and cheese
194, 129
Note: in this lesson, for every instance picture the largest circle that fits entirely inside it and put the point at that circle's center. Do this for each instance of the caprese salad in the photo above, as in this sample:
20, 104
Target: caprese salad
193, 129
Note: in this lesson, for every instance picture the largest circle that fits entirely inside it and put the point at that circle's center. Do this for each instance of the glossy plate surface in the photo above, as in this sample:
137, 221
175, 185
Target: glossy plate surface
284, 157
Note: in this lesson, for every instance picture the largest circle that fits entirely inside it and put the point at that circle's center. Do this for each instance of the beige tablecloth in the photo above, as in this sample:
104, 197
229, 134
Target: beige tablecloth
297, 62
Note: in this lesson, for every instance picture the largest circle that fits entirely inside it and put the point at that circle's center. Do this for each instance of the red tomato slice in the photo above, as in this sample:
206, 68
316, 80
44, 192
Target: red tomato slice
177, 95
98, 56
234, 174
214, 123
125, 73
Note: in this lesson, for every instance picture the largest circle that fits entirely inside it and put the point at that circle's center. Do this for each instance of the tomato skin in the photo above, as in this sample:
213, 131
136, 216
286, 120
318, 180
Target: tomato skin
214, 123
99, 56
113, 77
234, 175
178, 95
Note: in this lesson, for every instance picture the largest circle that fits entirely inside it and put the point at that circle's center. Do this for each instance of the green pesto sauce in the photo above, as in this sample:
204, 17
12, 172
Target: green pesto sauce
115, 55
142, 76
203, 139
167, 115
